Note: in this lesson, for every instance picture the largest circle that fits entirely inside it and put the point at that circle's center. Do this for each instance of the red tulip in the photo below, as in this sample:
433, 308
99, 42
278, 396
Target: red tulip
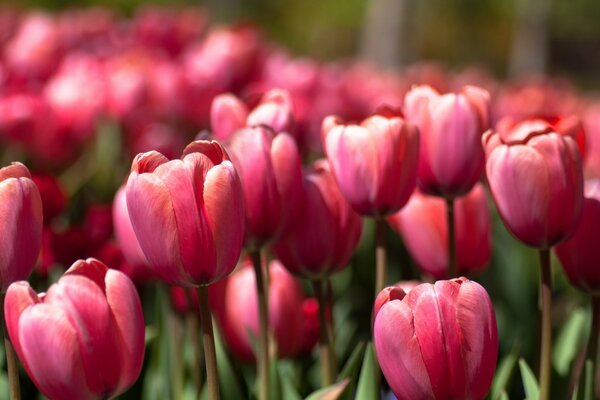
324, 232
270, 170
53, 196
20, 222
423, 226
187, 214
374, 163
84, 338
536, 179
291, 318
439, 341
451, 125
580, 254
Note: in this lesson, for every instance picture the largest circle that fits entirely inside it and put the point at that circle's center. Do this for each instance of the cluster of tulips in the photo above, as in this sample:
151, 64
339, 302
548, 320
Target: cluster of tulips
255, 169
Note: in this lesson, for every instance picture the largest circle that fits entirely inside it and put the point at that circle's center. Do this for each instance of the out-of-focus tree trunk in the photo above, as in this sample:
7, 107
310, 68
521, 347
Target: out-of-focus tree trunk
529, 54
387, 37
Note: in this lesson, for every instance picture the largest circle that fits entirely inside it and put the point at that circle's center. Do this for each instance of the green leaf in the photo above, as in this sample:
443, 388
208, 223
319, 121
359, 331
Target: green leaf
288, 390
503, 396
368, 383
530, 383
332, 392
504, 373
230, 387
350, 370
569, 341
587, 391
274, 380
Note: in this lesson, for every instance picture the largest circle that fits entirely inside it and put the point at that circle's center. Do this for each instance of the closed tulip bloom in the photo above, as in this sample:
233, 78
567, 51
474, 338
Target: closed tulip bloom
84, 338
289, 321
424, 229
227, 114
536, 179
20, 222
580, 254
374, 163
439, 341
188, 214
324, 232
451, 158
270, 170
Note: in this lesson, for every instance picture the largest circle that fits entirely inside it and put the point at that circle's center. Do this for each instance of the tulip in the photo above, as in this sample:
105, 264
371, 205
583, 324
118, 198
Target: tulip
451, 159
54, 199
439, 341
292, 317
374, 163
187, 214
20, 222
84, 338
423, 227
270, 170
536, 180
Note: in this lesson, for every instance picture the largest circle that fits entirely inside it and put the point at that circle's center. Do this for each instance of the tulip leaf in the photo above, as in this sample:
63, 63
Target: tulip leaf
274, 379
504, 373
332, 392
503, 396
351, 368
368, 383
228, 382
288, 390
530, 383
569, 341
585, 389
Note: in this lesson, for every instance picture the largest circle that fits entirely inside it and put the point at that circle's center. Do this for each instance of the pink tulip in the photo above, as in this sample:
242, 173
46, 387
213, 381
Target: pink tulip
187, 214
20, 222
439, 341
451, 125
270, 170
374, 163
291, 319
227, 114
424, 229
580, 254
536, 179
84, 338
324, 232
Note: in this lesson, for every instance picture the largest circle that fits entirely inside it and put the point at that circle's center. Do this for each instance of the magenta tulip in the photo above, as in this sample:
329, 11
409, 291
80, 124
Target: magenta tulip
536, 179
423, 227
270, 170
20, 222
439, 341
580, 254
187, 214
324, 232
451, 125
374, 163
84, 338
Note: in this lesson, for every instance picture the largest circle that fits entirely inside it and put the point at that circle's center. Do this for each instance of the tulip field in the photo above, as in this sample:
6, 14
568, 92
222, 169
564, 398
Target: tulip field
190, 211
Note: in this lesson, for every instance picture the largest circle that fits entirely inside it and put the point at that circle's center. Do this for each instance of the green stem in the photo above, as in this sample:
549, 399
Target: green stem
546, 344
208, 339
592, 351
192, 328
328, 362
262, 358
11, 359
452, 264
380, 256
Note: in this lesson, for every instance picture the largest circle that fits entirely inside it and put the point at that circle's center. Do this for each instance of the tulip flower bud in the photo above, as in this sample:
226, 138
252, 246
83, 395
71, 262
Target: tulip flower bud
288, 320
20, 222
580, 254
227, 115
451, 158
275, 110
374, 163
84, 338
536, 179
439, 341
324, 232
187, 214
424, 229
270, 170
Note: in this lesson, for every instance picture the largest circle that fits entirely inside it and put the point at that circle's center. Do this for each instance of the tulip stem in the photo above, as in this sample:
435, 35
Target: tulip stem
328, 368
262, 358
452, 267
592, 350
11, 359
546, 345
208, 339
380, 256
192, 327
